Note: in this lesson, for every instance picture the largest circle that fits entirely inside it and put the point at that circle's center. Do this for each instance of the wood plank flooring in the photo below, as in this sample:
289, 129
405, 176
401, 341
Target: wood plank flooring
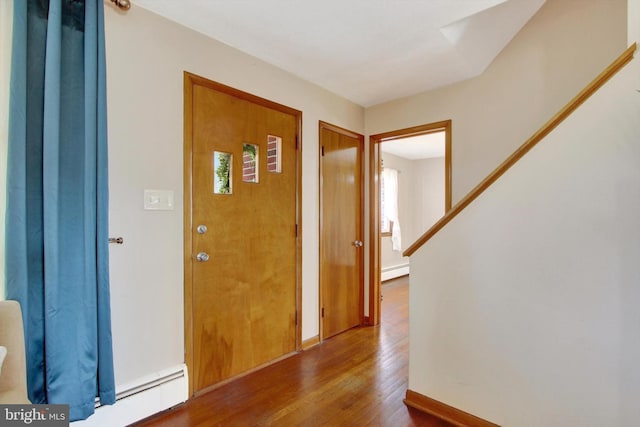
357, 378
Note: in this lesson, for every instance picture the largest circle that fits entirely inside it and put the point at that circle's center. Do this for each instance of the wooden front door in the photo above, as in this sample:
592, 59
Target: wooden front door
241, 290
341, 240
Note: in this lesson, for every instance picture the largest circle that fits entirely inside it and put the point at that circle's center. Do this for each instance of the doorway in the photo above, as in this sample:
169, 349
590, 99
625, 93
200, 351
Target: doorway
399, 137
341, 230
242, 249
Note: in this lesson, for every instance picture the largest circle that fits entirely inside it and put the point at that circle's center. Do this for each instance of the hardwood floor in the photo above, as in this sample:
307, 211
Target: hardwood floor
357, 378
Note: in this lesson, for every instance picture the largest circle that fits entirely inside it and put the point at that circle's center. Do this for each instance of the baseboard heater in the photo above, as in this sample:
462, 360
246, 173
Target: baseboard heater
388, 273
132, 390
142, 398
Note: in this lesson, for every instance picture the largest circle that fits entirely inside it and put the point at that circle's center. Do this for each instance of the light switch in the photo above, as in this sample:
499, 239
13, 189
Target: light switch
158, 200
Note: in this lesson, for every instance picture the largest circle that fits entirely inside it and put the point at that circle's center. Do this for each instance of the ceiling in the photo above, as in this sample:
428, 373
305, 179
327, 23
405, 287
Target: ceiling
418, 147
368, 51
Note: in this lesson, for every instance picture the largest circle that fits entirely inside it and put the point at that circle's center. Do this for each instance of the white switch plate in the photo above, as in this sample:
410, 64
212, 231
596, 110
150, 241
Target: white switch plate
158, 200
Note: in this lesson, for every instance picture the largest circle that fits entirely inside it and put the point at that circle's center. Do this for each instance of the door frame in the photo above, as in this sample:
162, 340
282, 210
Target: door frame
190, 80
374, 200
324, 125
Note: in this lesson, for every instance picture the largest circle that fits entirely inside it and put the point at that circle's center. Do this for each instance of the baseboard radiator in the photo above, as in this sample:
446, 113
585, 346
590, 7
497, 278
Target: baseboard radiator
142, 398
391, 272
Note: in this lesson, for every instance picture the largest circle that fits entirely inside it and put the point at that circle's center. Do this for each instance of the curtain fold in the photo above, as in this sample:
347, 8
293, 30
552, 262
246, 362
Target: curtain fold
57, 201
391, 206
6, 29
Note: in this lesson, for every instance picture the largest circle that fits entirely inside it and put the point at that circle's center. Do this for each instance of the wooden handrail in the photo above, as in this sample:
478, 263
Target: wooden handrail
589, 90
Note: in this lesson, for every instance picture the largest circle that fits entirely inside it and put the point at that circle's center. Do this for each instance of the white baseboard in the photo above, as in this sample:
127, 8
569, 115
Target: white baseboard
142, 398
394, 271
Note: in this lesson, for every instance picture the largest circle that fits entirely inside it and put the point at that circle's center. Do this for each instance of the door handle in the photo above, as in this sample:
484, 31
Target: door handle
358, 243
202, 257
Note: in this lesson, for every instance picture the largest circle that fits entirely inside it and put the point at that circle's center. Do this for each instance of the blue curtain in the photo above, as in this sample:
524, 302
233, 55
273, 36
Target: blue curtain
57, 201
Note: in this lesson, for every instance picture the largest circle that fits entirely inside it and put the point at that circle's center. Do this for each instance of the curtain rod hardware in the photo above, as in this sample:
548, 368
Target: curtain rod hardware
122, 4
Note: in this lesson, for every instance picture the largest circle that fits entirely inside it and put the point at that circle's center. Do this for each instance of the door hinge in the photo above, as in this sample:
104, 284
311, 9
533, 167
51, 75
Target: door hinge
322, 315
296, 317
322, 150
296, 230
297, 143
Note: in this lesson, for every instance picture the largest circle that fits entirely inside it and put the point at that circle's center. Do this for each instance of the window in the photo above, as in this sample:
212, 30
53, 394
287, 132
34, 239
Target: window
389, 207
385, 224
223, 170
274, 154
249, 163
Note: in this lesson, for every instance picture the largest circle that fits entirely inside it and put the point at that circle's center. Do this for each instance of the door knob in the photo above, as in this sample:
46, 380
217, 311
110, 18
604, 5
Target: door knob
202, 257
358, 243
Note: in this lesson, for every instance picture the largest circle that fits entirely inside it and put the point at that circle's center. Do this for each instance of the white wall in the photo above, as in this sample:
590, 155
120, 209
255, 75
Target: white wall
146, 57
524, 309
429, 195
633, 21
562, 48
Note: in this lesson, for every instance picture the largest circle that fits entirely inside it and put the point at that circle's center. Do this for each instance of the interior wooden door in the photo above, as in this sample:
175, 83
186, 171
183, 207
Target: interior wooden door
243, 233
341, 240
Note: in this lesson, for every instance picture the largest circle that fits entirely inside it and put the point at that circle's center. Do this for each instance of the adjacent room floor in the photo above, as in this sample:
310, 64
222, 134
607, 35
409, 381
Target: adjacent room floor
357, 378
